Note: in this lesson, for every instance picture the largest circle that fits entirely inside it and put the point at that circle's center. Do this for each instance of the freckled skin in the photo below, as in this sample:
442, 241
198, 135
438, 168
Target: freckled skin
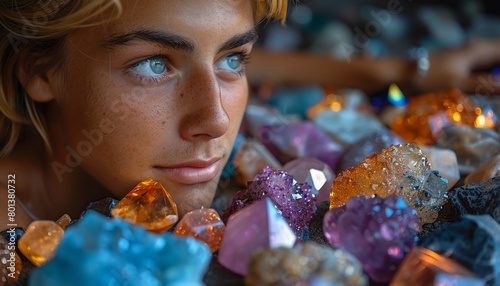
193, 115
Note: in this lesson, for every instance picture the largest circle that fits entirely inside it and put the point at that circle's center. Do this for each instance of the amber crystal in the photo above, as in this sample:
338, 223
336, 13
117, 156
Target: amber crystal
64, 221
203, 224
423, 267
149, 205
401, 170
428, 113
40, 241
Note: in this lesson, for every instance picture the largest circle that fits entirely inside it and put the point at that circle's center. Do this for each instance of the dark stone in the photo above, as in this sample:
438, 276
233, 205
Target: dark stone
104, 206
477, 199
218, 275
474, 242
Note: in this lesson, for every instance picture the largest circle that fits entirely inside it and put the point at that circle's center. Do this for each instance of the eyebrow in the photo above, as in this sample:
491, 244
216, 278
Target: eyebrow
174, 41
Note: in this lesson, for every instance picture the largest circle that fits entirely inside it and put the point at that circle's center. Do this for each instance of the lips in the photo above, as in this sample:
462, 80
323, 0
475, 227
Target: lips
192, 172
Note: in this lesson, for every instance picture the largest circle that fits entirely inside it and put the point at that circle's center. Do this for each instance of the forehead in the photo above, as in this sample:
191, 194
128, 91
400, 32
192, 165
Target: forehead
198, 20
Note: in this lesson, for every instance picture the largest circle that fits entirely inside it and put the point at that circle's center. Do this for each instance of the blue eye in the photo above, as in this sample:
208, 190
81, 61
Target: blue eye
150, 67
231, 62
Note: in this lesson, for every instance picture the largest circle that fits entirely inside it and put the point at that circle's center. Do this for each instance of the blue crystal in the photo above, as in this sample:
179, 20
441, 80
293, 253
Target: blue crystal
103, 251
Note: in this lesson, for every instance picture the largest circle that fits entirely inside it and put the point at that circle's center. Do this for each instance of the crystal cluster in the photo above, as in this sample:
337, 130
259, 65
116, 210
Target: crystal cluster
424, 267
429, 113
304, 263
474, 242
445, 161
400, 170
295, 201
102, 251
149, 205
379, 232
40, 241
203, 224
259, 225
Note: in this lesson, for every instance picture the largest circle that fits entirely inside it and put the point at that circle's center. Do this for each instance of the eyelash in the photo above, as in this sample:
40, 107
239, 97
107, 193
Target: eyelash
244, 57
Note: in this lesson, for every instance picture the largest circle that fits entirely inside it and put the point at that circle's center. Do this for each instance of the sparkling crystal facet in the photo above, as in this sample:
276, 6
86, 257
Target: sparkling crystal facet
40, 241
149, 205
315, 173
203, 224
424, 267
258, 225
379, 232
401, 170
297, 265
429, 113
102, 251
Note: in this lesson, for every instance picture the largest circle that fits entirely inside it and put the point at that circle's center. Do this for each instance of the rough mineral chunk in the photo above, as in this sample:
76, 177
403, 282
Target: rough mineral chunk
103, 251
302, 263
379, 232
400, 170
473, 242
486, 171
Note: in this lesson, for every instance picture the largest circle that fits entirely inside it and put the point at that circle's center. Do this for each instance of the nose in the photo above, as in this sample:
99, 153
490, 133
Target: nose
205, 117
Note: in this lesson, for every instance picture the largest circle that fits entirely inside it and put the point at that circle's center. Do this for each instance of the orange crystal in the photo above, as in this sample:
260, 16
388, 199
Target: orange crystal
149, 205
428, 113
203, 224
401, 170
64, 221
40, 241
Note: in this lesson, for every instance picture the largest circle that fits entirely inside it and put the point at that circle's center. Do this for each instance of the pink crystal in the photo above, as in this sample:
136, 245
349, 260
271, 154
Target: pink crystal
256, 226
315, 173
300, 139
379, 232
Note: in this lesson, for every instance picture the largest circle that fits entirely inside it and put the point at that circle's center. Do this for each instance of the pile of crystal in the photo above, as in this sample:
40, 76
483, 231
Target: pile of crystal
423, 267
259, 225
428, 113
304, 264
148, 204
204, 225
400, 170
40, 241
101, 251
377, 231
295, 201
474, 242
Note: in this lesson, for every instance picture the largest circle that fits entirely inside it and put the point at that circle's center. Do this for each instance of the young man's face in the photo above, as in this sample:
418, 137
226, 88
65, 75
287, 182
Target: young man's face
157, 94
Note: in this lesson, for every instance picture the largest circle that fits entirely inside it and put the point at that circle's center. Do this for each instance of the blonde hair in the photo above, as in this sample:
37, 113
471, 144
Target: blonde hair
33, 33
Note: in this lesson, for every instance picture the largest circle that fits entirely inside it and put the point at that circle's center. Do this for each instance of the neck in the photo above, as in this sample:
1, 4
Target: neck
45, 193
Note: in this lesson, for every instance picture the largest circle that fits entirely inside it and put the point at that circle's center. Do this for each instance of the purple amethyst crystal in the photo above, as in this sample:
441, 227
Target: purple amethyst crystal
379, 232
295, 201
